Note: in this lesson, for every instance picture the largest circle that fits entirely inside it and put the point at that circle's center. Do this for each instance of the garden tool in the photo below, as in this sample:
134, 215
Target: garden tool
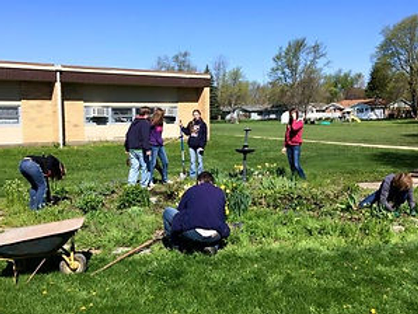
183, 174
158, 236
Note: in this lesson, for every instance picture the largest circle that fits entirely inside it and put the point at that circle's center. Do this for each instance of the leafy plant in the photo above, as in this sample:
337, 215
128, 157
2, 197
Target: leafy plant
133, 195
90, 201
238, 197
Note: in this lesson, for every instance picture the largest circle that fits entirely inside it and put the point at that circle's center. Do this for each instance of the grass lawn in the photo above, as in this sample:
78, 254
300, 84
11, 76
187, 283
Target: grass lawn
299, 255
396, 132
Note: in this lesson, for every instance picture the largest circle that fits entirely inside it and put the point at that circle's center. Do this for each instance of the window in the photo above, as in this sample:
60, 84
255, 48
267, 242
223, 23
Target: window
96, 115
106, 113
122, 115
9, 114
170, 116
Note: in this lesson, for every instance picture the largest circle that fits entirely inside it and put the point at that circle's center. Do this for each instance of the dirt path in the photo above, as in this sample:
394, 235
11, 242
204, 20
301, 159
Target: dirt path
375, 185
411, 148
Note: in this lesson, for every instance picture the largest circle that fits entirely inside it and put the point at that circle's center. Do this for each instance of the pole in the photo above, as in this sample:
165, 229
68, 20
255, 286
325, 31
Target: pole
59, 106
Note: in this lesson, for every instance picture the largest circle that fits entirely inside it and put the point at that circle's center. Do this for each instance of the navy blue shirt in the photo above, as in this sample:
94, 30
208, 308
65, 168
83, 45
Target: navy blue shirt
137, 136
202, 206
197, 132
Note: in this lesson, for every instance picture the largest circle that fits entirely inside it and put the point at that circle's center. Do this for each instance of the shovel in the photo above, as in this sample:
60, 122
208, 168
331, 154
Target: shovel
183, 174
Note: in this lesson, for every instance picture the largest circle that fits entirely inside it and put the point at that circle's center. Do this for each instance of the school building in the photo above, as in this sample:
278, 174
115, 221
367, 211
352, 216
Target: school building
43, 104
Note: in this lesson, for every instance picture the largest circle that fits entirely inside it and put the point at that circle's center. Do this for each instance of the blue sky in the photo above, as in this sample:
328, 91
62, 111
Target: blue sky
132, 34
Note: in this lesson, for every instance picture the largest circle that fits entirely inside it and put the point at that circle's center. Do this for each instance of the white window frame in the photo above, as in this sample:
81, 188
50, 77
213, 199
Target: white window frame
170, 108
96, 107
12, 104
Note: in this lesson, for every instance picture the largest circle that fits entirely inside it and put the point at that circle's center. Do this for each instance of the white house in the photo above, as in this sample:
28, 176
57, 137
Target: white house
367, 112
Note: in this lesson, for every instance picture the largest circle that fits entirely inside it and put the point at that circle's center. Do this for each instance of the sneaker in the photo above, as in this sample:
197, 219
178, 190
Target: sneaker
168, 182
151, 186
210, 250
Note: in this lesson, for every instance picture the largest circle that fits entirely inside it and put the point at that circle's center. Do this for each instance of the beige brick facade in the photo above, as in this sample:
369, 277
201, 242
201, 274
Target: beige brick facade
38, 114
41, 102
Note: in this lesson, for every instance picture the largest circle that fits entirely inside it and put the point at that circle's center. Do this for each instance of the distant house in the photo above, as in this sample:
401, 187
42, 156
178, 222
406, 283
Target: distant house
252, 113
364, 109
400, 109
331, 111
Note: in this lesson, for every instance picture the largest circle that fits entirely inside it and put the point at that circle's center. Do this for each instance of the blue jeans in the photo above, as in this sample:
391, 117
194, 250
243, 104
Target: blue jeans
33, 173
159, 151
293, 156
193, 235
193, 156
374, 197
369, 200
139, 160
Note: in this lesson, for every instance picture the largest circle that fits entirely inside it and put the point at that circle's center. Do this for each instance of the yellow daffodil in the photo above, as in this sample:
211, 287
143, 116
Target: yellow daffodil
373, 311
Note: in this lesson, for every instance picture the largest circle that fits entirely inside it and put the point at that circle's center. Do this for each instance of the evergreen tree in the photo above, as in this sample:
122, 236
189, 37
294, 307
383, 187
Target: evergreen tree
215, 111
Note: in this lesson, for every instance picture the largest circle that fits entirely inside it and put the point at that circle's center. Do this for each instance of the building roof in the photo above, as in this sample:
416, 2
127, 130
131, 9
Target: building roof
46, 72
351, 102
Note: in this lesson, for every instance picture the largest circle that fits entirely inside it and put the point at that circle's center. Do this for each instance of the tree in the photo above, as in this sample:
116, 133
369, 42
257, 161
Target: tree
297, 71
234, 89
258, 94
380, 77
219, 69
400, 48
215, 111
180, 62
343, 85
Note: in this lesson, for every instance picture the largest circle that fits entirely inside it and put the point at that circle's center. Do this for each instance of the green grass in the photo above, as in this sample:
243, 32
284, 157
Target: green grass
307, 261
396, 132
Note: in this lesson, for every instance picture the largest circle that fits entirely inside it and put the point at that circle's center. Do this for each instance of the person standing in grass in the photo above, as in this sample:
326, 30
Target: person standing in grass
157, 146
197, 132
199, 222
137, 146
37, 170
394, 190
293, 142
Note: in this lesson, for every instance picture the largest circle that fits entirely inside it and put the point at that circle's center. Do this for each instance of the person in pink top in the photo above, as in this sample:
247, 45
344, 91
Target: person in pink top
293, 142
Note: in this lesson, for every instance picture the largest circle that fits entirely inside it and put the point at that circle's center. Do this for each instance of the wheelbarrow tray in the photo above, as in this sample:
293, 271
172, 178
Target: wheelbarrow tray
39, 240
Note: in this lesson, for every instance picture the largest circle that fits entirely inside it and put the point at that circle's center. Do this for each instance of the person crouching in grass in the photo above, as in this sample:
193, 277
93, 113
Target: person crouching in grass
199, 222
394, 190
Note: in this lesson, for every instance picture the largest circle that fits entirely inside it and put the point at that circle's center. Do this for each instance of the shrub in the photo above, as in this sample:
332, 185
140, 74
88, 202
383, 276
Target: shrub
133, 195
90, 201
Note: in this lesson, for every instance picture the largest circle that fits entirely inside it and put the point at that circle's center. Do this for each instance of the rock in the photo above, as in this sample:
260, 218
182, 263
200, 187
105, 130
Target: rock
153, 199
398, 228
146, 251
121, 249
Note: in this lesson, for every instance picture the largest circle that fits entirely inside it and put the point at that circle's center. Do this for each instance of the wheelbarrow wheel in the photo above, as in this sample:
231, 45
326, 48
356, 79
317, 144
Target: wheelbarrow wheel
80, 265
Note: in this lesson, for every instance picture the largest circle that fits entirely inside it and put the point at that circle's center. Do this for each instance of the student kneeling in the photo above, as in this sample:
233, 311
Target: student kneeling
199, 223
394, 190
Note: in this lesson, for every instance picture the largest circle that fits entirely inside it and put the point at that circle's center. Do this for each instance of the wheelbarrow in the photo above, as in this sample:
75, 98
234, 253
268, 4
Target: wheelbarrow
43, 241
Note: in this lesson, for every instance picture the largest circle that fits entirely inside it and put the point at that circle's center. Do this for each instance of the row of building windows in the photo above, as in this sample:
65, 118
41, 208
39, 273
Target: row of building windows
10, 114
105, 115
